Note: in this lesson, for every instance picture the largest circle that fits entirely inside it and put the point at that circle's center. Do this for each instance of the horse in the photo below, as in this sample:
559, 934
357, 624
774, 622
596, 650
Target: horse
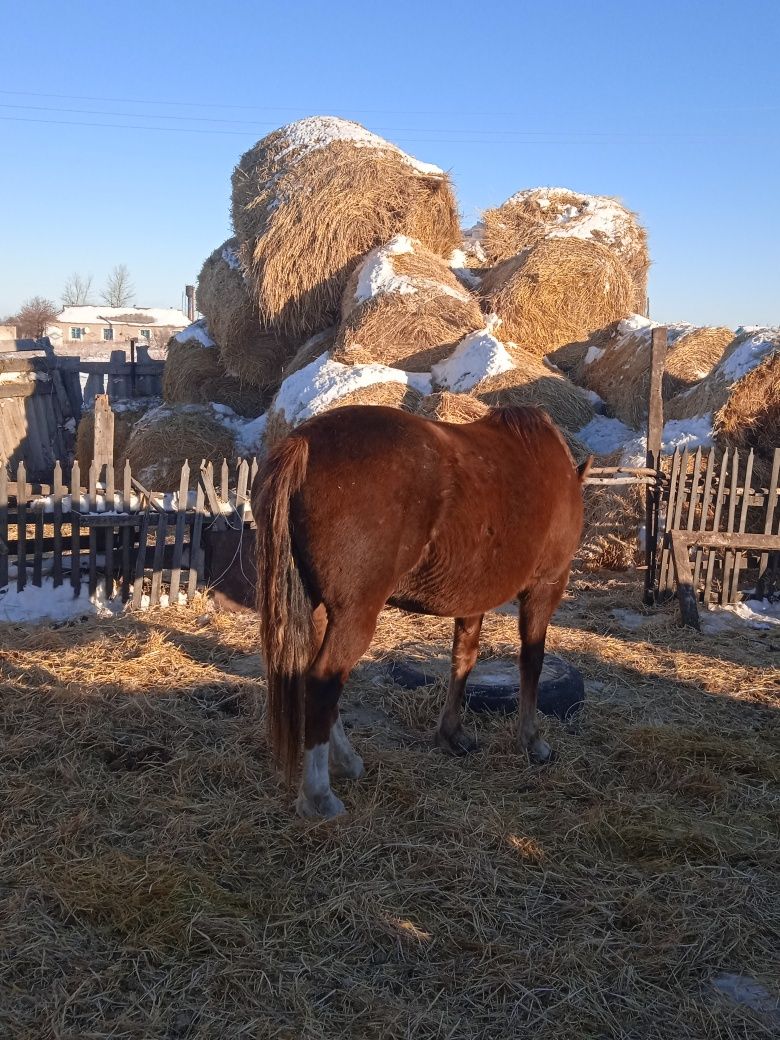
365, 506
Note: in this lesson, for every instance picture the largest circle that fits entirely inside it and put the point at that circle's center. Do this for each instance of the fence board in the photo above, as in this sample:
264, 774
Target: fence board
178, 545
37, 578
92, 508
768, 522
21, 527
157, 560
242, 483
705, 508
140, 561
196, 549
728, 556
711, 556
75, 529
746, 494
3, 524
127, 492
57, 493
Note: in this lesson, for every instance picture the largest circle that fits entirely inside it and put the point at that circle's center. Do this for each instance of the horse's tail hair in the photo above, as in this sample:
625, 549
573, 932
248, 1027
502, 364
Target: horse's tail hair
284, 606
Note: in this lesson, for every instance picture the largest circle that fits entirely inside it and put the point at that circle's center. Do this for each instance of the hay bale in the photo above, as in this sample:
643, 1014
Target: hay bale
558, 292
404, 307
531, 216
749, 349
569, 359
249, 350
313, 197
167, 436
126, 415
533, 382
325, 384
750, 418
313, 348
194, 374
694, 354
445, 406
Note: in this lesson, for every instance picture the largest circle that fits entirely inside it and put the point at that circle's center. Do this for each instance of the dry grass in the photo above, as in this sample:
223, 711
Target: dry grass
750, 418
250, 352
537, 213
533, 382
124, 423
168, 436
305, 218
694, 354
391, 395
156, 885
452, 408
557, 292
195, 374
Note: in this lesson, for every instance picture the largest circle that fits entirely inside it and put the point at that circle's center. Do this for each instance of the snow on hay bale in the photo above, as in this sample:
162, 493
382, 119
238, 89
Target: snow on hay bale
313, 197
404, 307
531, 216
557, 292
194, 374
249, 350
499, 375
325, 384
750, 351
165, 437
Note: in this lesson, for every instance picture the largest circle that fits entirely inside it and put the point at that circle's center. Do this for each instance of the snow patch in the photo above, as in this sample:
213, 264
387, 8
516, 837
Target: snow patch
593, 354
475, 358
48, 603
604, 435
230, 256
749, 354
754, 613
377, 275
198, 331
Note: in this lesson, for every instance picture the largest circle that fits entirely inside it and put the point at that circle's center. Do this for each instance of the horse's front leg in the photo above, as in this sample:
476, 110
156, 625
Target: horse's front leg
450, 735
537, 606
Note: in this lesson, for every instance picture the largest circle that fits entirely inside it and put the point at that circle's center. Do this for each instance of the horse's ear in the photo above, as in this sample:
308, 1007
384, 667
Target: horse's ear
584, 469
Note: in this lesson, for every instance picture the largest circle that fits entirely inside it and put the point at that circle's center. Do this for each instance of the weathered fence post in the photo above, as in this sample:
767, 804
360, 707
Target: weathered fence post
655, 425
103, 446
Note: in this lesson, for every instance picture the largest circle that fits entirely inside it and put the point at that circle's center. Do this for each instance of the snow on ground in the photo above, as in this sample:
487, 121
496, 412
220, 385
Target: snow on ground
475, 358
677, 433
315, 132
459, 264
603, 435
311, 390
198, 331
48, 603
754, 613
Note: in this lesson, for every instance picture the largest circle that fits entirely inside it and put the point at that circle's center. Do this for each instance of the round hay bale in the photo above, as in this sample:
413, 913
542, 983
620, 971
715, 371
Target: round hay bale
612, 516
325, 384
249, 350
695, 353
404, 307
126, 415
531, 216
750, 418
445, 406
569, 359
749, 349
557, 292
194, 374
313, 348
167, 436
313, 197
533, 382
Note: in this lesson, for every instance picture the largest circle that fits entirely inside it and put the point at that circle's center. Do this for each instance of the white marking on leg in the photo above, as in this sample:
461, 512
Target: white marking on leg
344, 759
315, 797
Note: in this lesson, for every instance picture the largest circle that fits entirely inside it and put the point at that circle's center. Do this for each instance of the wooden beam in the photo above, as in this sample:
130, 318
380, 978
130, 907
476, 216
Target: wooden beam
684, 577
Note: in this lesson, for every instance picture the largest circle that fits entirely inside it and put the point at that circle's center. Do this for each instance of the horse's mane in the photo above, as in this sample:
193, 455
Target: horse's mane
526, 422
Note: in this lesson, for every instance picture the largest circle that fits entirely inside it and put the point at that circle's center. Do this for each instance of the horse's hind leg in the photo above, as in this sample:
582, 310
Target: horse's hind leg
346, 639
450, 735
344, 760
536, 608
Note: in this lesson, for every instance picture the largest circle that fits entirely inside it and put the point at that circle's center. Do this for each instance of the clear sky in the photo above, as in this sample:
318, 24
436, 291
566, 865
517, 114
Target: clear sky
121, 124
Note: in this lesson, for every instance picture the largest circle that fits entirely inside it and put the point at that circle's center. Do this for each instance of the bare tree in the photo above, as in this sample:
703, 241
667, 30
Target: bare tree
76, 291
33, 317
119, 289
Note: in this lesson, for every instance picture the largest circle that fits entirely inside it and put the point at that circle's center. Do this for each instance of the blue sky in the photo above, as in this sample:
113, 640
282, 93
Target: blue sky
673, 107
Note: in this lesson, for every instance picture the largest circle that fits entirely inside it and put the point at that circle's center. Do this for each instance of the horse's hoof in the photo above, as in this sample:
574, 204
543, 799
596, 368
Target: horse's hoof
323, 806
457, 743
540, 752
352, 769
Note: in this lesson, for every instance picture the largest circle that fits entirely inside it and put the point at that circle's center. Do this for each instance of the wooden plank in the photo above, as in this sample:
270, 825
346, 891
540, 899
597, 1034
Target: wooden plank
722, 481
93, 472
674, 513
27, 389
3, 523
21, 527
196, 549
127, 490
157, 560
140, 562
57, 494
684, 579
75, 529
705, 508
738, 560
103, 441
178, 545
242, 485
730, 520
37, 578
207, 478
732, 540
769, 520
224, 488
693, 501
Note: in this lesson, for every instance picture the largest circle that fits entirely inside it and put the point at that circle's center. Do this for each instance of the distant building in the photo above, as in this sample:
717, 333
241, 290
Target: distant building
76, 326
7, 332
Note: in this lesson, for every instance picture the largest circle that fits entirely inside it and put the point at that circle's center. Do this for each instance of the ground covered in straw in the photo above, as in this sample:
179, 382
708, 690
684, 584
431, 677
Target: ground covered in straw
155, 884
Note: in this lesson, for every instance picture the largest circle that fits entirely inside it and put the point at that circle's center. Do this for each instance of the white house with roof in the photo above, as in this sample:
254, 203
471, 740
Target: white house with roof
80, 325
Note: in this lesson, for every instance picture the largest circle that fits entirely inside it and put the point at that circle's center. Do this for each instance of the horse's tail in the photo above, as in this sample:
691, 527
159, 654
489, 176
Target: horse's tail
283, 603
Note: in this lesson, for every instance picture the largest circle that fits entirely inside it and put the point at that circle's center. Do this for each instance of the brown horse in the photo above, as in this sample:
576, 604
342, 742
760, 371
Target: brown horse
365, 506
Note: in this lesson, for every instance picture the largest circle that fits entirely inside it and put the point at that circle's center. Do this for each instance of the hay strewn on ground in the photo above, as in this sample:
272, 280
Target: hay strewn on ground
194, 374
156, 883
125, 419
313, 197
403, 307
249, 351
531, 216
167, 436
557, 292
